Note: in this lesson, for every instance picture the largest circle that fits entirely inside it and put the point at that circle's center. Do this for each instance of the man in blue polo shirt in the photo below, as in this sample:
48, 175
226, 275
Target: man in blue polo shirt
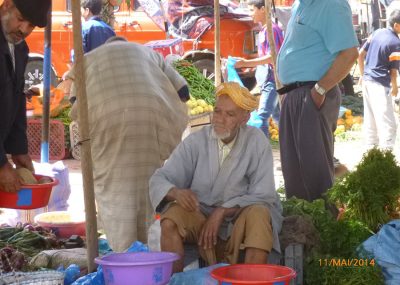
95, 32
319, 50
382, 54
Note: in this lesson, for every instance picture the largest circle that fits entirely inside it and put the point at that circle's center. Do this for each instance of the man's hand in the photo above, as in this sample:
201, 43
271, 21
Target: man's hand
209, 233
186, 198
240, 62
22, 160
9, 180
34, 90
317, 98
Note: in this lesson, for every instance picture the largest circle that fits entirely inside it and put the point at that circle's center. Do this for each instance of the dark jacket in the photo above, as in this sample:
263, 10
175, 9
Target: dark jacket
13, 138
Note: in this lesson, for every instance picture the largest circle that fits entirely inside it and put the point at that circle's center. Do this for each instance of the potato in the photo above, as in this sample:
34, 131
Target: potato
45, 180
26, 176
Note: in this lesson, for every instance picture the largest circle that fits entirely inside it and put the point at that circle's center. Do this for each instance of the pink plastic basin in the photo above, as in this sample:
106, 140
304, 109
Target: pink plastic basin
253, 274
144, 268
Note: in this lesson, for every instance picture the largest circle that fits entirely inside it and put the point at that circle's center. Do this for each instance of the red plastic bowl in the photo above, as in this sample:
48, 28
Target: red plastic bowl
76, 226
30, 196
253, 274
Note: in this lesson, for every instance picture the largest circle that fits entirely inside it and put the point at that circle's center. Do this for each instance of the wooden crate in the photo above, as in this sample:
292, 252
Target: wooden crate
199, 121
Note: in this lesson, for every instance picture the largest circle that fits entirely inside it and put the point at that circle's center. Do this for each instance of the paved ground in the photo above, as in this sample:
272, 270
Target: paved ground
349, 153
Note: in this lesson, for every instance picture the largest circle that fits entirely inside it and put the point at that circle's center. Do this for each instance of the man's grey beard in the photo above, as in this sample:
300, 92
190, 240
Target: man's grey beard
9, 39
222, 136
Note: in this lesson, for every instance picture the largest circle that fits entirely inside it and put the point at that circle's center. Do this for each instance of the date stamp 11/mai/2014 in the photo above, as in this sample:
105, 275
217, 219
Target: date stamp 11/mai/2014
346, 262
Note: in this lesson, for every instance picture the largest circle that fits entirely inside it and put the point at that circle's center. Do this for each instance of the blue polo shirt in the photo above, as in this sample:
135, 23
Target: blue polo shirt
317, 31
94, 33
383, 54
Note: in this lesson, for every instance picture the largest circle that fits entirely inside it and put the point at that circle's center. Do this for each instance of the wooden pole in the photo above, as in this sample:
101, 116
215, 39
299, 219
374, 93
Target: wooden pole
217, 43
86, 155
271, 40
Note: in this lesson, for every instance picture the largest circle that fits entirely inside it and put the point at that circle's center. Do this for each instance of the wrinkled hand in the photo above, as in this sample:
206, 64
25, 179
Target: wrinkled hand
22, 160
318, 99
209, 233
186, 198
9, 180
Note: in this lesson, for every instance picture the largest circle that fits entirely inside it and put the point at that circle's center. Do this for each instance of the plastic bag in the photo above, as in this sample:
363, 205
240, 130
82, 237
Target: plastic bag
196, 276
154, 236
71, 274
232, 74
255, 119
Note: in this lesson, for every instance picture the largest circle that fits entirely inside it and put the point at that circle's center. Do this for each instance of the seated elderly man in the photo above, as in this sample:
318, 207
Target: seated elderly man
217, 188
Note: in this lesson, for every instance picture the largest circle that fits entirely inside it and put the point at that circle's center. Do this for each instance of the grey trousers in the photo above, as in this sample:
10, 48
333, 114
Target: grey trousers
306, 142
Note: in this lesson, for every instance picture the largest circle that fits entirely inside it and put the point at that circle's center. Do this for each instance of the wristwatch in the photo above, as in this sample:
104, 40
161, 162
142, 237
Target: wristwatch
320, 90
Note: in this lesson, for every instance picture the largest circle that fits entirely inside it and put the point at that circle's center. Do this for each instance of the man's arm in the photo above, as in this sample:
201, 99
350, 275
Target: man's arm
174, 77
240, 63
361, 62
393, 81
176, 175
339, 69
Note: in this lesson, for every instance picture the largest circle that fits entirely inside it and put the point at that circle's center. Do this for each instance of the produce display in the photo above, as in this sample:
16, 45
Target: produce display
27, 177
354, 103
273, 130
199, 106
199, 86
370, 194
348, 122
339, 240
18, 244
57, 103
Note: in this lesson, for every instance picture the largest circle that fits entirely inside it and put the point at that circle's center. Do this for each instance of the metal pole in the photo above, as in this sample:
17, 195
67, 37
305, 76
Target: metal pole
44, 150
217, 42
86, 155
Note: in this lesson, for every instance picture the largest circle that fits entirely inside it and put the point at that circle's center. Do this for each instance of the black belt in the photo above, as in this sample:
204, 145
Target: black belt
292, 86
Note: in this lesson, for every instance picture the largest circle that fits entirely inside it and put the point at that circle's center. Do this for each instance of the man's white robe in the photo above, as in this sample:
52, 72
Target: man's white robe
245, 178
136, 119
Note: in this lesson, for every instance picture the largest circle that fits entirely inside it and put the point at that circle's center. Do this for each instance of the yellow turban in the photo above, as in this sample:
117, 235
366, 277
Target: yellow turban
239, 95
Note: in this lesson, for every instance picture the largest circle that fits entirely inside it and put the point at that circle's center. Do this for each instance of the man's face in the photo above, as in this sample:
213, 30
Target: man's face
258, 15
227, 118
15, 27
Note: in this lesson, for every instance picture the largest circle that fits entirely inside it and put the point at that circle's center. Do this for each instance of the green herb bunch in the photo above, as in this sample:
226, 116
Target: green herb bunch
369, 194
338, 240
200, 87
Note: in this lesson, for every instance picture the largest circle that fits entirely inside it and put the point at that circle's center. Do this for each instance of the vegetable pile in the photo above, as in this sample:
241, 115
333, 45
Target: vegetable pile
18, 244
370, 194
338, 241
354, 103
199, 86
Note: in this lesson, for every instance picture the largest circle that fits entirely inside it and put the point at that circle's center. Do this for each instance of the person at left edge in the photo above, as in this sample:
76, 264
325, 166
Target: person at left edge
18, 19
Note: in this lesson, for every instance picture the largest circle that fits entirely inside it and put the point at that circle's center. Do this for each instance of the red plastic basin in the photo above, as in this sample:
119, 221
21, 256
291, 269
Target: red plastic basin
253, 274
76, 225
30, 196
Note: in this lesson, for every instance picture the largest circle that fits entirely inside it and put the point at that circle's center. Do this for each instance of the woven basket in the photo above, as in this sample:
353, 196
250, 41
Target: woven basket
74, 137
33, 278
56, 139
